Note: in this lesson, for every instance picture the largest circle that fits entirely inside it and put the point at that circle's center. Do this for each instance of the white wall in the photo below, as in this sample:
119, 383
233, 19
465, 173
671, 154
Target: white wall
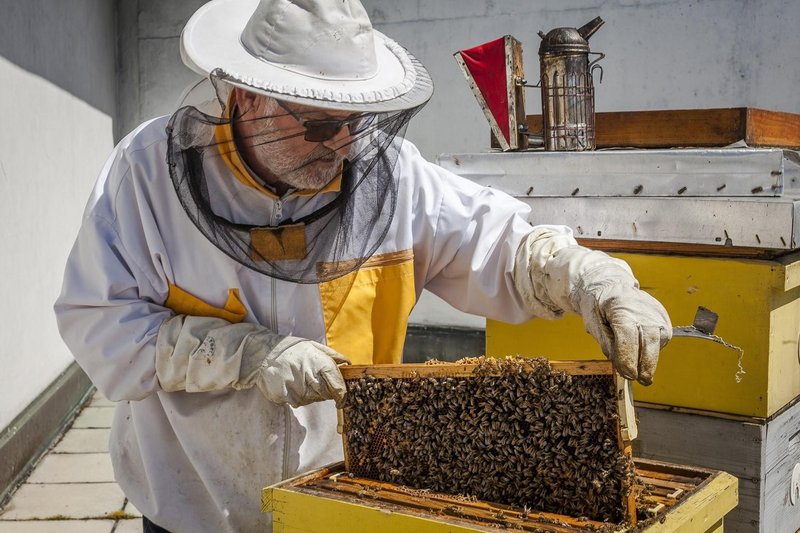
660, 54
56, 103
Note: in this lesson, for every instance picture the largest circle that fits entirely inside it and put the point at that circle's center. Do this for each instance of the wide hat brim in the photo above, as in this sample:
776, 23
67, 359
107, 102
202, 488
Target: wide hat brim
211, 43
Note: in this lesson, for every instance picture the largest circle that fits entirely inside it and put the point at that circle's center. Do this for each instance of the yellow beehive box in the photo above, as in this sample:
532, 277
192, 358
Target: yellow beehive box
758, 303
328, 500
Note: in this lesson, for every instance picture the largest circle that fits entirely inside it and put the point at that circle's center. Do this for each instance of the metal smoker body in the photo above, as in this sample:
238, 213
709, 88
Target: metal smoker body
567, 87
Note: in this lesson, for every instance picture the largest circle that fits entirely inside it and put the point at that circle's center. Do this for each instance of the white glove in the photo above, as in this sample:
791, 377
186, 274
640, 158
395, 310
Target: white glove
198, 354
553, 274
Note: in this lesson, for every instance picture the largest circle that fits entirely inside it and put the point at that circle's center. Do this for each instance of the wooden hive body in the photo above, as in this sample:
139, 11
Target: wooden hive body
330, 500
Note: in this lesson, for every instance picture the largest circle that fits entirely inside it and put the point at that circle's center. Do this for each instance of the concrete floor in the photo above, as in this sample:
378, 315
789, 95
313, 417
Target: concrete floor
72, 489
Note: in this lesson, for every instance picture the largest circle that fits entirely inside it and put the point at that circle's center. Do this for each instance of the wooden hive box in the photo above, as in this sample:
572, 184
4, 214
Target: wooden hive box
668, 128
528, 435
673, 498
763, 454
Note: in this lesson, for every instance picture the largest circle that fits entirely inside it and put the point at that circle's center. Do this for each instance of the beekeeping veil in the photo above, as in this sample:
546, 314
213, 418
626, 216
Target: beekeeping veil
327, 73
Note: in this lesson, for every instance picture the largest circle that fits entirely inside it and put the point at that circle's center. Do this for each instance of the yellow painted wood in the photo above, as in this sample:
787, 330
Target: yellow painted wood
756, 312
703, 510
295, 512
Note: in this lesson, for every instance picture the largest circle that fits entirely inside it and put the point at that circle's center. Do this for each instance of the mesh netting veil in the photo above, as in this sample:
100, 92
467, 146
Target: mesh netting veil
332, 227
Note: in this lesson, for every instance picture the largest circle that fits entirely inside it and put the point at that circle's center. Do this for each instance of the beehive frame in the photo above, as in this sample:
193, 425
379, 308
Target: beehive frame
437, 372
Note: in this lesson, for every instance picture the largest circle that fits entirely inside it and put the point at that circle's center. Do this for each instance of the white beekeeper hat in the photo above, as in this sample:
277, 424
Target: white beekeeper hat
321, 53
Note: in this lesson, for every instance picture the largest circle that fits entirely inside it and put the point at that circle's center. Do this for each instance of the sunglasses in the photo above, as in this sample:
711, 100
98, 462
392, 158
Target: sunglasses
326, 129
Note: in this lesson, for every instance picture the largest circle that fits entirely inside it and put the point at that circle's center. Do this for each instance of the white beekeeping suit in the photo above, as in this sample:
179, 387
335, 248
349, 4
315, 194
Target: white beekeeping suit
214, 303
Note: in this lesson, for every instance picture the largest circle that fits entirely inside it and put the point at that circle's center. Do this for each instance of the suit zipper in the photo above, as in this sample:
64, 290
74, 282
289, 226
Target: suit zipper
287, 441
277, 213
287, 413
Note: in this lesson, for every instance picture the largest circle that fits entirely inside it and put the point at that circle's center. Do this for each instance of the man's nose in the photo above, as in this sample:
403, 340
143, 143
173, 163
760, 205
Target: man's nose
340, 143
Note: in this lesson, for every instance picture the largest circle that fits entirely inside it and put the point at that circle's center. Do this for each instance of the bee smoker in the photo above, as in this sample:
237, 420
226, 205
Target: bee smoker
567, 88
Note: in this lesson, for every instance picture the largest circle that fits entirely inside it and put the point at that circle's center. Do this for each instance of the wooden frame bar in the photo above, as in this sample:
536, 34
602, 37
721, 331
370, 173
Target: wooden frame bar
575, 368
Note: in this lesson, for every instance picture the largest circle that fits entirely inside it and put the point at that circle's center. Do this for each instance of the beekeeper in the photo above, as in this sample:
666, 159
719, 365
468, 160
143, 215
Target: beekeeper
276, 225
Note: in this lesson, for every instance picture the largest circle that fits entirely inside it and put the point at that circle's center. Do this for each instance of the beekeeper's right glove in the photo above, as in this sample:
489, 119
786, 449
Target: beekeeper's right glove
198, 354
554, 275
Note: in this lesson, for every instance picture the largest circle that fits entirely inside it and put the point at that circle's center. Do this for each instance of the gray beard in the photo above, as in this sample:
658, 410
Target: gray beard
306, 174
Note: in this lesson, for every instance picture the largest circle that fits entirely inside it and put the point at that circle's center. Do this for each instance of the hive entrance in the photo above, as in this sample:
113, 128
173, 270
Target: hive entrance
532, 434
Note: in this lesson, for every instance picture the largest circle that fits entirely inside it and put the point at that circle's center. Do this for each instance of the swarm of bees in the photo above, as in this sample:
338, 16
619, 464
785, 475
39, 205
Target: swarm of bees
516, 432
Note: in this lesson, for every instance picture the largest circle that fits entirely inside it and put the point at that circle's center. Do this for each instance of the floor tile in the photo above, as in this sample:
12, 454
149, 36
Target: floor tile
79, 440
131, 509
94, 417
58, 526
129, 526
63, 500
98, 400
73, 468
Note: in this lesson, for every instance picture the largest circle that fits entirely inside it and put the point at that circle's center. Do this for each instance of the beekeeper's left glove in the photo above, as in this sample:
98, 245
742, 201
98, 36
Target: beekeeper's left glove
198, 354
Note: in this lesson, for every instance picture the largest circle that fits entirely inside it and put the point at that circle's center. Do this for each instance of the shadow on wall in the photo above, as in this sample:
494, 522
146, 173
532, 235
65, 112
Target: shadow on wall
150, 74
70, 43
